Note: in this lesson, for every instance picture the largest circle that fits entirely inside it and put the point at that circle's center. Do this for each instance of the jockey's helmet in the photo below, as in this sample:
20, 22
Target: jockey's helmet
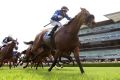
64, 8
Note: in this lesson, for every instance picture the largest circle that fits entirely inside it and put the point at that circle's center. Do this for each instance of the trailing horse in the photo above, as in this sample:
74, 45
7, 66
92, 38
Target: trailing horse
47, 53
6, 53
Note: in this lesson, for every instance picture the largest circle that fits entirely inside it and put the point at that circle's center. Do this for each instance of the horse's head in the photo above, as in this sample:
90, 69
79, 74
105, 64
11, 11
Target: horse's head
85, 18
14, 43
8, 49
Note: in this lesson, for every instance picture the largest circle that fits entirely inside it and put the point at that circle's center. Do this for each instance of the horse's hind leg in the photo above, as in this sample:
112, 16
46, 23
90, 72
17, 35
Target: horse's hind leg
54, 62
27, 62
1, 63
76, 55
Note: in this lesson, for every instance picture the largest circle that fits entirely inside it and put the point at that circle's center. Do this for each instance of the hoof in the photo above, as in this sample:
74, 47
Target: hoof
61, 66
24, 67
83, 72
49, 70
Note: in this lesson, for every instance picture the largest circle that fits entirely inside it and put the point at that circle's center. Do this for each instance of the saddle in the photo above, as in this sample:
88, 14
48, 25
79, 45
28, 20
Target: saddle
49, 40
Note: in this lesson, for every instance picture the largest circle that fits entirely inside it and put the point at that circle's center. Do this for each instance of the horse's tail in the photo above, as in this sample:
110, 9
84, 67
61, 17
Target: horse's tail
28, 43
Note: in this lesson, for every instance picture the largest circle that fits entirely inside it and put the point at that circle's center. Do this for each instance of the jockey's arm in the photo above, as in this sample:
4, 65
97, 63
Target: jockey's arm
67, 17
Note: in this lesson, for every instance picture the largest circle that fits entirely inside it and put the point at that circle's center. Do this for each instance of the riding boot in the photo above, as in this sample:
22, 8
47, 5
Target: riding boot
52, 36
53, 30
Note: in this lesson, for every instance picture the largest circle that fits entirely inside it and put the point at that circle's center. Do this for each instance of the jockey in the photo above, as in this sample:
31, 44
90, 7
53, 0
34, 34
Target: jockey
58, 16
6, 40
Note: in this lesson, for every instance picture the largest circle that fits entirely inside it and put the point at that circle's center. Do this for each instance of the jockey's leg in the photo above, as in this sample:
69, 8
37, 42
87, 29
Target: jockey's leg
53, 30
51, 34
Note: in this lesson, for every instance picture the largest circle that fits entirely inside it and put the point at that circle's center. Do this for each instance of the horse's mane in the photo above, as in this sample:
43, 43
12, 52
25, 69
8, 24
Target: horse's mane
83, 11
71, 20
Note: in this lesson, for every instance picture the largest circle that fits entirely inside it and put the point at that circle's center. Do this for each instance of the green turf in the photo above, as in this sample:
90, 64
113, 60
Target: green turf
66, 73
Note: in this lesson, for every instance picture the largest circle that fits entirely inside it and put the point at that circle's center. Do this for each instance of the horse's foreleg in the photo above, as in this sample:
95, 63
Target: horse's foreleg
76, 55
42, 64
32, 64
10, 64
73, 62
70, 59
14, 62
18, 62
27, 62
58, 65
26, 65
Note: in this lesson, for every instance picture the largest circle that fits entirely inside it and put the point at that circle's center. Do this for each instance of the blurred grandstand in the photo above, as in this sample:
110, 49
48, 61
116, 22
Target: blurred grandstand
101, 43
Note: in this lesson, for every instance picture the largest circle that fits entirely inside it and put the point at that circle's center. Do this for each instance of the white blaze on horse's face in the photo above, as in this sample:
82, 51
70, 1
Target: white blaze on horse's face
9, 42
84, 25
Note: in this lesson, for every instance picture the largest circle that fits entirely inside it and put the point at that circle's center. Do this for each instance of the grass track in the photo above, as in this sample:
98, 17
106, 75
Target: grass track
67, 73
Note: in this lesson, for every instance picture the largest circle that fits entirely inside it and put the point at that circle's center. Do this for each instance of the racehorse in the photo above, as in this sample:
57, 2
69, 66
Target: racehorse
7, 53
66, 38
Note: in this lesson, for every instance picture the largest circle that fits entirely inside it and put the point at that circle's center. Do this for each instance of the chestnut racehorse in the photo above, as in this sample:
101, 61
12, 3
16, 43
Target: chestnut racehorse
66, 38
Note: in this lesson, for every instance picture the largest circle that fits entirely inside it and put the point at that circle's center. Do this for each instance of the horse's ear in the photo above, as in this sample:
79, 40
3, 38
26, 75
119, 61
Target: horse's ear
82, 8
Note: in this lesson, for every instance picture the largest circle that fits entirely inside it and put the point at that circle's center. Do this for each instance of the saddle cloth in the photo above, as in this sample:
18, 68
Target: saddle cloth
46, 37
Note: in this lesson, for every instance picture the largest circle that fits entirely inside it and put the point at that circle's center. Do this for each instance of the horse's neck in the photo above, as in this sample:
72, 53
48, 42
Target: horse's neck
74, 26
10, 46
